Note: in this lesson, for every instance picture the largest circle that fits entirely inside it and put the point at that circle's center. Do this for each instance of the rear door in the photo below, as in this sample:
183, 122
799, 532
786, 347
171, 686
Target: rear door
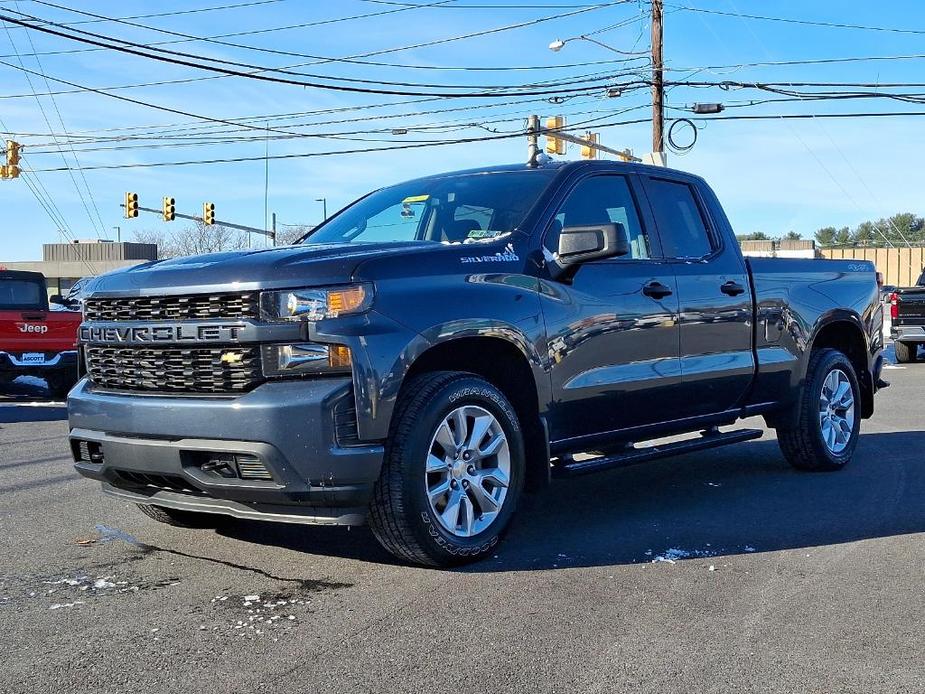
612, 329
714, 295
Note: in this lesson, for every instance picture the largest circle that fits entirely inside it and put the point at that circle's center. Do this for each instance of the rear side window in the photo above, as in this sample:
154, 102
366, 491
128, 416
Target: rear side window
680, 221
603, 200
20, 294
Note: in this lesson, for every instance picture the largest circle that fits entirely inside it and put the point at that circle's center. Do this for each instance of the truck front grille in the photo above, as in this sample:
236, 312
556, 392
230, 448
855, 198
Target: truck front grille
181, 370
185, 307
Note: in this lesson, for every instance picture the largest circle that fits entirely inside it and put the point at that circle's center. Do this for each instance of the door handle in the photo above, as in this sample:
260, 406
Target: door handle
656, 290
732, 288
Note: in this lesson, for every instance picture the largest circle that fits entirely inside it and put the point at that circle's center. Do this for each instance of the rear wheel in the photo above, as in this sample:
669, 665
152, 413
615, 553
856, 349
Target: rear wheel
182, 519
452, 473
825, 431
905, 351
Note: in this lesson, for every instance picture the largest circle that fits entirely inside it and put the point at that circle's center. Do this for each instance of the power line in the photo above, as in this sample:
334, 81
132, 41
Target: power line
176, 13
485, 138
325, 59
57, 144
495, 93
807, 22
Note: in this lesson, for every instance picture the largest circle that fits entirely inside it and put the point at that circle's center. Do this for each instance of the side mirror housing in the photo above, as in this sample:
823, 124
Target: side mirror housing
57, 299
579, 244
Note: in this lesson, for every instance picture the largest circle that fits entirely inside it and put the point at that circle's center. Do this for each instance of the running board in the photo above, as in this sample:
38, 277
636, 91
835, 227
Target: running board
632, 456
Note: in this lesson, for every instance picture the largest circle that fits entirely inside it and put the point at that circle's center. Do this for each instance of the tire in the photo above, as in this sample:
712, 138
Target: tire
802, 440
182, 519
905, 351
459, 526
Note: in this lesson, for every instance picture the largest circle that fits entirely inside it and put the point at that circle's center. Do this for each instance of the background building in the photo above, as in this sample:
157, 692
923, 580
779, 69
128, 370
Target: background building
65, 263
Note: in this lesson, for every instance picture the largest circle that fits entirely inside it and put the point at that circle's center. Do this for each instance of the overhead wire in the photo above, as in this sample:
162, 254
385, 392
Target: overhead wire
493, 92
101, 229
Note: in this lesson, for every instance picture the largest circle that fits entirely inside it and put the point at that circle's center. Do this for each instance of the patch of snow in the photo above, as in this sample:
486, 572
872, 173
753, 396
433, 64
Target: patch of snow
672, 555
59, 605
252, 598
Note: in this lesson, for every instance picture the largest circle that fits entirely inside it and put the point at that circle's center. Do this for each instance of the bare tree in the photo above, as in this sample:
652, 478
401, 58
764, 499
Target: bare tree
194, 240
292, 233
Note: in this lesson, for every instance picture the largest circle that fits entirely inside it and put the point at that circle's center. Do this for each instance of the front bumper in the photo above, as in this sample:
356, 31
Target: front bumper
152, 449
907, 333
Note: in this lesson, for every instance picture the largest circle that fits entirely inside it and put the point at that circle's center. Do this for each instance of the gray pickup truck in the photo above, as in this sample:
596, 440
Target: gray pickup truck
907, 320
441, 345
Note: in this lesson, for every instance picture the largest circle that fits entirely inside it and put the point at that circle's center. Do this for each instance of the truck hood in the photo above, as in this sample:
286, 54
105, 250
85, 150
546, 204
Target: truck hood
287, 266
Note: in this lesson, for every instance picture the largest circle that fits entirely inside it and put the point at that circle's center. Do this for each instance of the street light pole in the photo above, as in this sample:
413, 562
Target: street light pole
658, 87
324, 207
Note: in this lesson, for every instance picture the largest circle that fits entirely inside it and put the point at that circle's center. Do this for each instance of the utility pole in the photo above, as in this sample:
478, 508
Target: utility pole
658, 88
533, 148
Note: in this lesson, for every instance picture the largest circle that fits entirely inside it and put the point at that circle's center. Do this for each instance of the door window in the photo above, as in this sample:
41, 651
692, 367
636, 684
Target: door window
603, 200
680, 222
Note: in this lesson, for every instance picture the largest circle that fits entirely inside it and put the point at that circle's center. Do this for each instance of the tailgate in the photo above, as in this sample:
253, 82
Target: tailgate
910, 308
30, 331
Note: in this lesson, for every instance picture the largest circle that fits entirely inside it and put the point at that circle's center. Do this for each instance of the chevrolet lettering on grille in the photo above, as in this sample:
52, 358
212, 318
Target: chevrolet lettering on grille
146, 334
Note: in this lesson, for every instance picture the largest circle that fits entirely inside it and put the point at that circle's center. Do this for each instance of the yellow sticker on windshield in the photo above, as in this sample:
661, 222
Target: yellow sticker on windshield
415, 198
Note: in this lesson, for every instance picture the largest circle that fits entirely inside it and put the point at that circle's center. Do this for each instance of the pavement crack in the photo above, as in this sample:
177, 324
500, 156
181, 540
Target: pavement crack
108, 534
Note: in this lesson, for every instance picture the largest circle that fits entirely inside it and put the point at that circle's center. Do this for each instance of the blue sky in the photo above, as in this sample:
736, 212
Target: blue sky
773, 175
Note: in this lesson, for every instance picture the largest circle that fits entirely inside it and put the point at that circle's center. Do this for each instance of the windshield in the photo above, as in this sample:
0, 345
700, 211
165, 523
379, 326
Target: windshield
452, 209
20, 294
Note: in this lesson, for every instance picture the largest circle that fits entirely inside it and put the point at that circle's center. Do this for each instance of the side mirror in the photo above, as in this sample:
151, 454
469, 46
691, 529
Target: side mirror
581, 244
57, 299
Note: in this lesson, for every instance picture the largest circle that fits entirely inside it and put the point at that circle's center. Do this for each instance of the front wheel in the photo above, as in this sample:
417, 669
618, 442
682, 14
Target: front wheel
905, 351
825, 430
452, 473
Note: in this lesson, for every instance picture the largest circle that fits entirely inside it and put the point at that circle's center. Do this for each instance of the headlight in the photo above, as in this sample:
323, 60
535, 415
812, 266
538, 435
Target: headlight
315, 304
305, 358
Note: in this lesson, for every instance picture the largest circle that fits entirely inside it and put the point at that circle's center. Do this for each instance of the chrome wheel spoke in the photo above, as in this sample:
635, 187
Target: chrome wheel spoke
450, 515
437, 492
459, 428
435, 464
480, 427
484, 498
467, 515
494, 476
493, 446
445, 438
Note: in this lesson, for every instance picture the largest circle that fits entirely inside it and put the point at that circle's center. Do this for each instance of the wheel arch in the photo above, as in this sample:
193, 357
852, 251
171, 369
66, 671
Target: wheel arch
507, 365
845, 332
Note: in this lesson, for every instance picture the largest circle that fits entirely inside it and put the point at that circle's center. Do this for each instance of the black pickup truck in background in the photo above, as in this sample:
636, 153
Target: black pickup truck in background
440, 345
907, 316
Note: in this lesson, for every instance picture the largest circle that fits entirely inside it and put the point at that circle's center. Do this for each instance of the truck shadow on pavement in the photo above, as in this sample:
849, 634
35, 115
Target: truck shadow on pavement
736, 500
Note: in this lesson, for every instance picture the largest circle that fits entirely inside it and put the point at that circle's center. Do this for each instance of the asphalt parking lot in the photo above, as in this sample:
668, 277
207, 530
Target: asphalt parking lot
714, 572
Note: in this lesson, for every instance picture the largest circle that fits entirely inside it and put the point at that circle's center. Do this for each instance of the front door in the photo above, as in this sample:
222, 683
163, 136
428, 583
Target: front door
612, 330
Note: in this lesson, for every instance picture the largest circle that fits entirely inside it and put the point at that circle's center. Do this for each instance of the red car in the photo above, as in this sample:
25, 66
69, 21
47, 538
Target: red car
35, 341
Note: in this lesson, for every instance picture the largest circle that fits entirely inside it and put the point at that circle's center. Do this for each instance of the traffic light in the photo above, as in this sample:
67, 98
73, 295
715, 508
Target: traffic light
555, 145
131, 205
170, 208
208, 213
588, 152
11, 169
